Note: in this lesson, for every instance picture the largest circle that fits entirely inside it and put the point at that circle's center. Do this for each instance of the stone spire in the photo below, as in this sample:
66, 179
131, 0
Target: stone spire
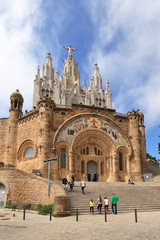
70, 74
48, 72
108, 96
97, 78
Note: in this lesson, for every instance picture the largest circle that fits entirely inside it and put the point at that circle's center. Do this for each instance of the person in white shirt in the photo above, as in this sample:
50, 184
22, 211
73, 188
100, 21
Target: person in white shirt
106, 204
83, 185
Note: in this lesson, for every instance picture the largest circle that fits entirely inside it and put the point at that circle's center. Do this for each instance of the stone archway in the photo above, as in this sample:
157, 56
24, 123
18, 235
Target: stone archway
92, 171
92, 152
2, 195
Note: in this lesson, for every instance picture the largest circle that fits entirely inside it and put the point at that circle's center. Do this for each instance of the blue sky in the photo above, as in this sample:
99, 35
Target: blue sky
122, 37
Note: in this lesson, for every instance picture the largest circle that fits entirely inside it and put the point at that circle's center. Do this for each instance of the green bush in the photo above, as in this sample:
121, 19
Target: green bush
45, 209
11, 206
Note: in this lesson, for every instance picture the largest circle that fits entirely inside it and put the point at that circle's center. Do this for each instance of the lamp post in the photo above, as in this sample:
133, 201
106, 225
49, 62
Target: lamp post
48, 161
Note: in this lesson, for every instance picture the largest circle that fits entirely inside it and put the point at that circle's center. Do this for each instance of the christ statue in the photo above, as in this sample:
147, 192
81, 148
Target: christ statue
70, 49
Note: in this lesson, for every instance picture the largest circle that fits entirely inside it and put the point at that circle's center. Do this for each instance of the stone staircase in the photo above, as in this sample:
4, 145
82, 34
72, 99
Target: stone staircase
141, 196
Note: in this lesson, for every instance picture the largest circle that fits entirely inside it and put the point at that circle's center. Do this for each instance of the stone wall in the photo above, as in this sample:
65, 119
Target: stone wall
22, 187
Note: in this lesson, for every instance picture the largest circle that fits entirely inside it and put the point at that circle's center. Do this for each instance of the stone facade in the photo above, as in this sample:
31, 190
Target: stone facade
77, 126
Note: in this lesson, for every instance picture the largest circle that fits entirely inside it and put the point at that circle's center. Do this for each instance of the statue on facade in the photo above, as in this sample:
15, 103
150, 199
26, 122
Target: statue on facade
70, 49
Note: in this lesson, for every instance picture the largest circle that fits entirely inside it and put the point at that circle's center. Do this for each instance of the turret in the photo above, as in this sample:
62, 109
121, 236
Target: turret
16, 103
15, 113
134, 135
143, 141
46, 106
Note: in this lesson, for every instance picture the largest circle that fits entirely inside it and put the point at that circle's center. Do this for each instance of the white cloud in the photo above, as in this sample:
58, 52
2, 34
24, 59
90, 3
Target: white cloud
18, 41
126, 48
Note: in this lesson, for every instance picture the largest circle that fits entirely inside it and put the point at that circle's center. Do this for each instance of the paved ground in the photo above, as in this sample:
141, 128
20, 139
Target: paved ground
118, 227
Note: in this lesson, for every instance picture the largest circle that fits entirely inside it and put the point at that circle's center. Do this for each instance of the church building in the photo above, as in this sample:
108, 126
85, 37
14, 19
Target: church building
77, 126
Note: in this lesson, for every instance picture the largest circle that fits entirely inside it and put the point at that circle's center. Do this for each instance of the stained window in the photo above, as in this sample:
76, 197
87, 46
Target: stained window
63, 158
29, 152
120, 162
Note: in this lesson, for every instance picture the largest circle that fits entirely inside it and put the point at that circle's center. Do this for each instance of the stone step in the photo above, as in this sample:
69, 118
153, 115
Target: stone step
142, 196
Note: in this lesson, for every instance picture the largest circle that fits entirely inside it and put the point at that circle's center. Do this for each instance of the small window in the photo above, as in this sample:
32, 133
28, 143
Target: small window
95, 150
101, 167
120, 162
83, 150
63, 158
29, 152
87, 150
15, 104
82, 166
98, 152
70, 71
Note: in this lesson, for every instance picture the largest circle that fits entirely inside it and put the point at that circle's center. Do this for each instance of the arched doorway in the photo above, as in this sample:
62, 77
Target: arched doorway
2, 194
92, 171
92, 154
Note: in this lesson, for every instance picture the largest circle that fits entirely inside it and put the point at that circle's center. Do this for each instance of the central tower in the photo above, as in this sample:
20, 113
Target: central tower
67, 90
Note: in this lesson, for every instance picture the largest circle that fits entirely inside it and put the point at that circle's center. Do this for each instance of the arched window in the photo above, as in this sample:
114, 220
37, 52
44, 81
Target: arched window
87, 150
15, 104
98, 152
84, 151
120, 162
63, 158
82, 166
95, 150
101, 167
29, 152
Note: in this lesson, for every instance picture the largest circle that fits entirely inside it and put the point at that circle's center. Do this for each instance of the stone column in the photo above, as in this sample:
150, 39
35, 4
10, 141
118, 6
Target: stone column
114, 176
128, 170
134, 134
44, 139
71, 164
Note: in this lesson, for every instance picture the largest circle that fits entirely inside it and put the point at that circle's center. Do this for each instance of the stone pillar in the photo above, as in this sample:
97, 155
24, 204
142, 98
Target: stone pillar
128, 170
114, 176
71, 164
134, 134
61, 206
46, 106
15, 114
